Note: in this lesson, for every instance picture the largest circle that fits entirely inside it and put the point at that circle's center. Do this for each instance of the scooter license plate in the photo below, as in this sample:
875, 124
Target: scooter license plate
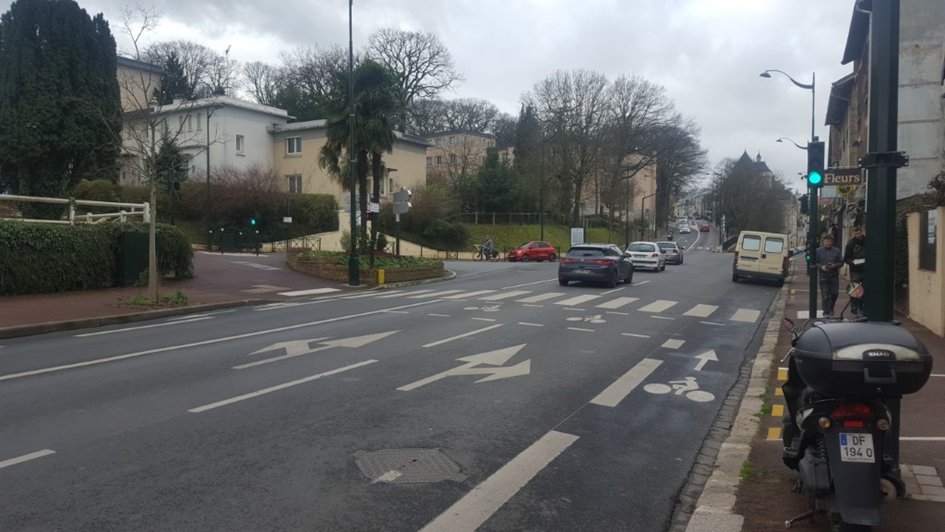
857, 447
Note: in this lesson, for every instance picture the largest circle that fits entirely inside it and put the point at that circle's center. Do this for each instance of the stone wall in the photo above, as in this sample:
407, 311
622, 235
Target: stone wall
328, 268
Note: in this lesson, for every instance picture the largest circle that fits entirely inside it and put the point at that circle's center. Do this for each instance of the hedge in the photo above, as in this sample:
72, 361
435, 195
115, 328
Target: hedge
41, 258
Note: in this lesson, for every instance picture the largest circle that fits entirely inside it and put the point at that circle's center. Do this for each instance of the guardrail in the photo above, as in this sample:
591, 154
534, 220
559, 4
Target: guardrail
137, 209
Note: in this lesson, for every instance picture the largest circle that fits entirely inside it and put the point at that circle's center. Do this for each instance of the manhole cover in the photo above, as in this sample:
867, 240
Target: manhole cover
406, 466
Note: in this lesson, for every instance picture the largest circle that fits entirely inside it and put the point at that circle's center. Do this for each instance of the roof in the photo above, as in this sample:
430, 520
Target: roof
859, 31
461, 132
224, 101
140, 65
319, 124
839, 103
756, 166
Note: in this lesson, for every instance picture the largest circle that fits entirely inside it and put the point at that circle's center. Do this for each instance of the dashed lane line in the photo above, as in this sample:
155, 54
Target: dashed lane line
464, 335
619, 389
139, 327
25, 458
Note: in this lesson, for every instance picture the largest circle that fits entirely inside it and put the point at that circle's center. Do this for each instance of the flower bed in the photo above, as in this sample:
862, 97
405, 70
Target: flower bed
333, 266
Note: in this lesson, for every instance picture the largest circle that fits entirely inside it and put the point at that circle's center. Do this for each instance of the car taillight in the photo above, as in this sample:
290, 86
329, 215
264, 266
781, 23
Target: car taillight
566, 261
655, 255
599, 262
851, 415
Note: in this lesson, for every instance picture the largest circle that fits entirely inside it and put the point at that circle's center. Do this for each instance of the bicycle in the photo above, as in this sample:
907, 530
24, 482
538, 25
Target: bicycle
484, 254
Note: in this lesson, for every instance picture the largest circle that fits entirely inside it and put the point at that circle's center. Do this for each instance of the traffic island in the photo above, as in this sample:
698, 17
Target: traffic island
388, 268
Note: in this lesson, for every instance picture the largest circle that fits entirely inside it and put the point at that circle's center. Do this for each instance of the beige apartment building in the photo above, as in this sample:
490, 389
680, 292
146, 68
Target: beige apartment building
138, 82
457, 153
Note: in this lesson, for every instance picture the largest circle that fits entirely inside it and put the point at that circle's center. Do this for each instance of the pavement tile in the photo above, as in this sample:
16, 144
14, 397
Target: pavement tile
925, 480
924, 470
932, 490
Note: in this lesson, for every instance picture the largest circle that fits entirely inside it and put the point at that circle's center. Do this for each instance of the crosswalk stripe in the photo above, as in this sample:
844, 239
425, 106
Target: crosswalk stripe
701, 311
577, 300
805, 314
618, 302
746, 315
435, 294
540, 297
673, 343
505, 295
398, 293
658, 306
463, 295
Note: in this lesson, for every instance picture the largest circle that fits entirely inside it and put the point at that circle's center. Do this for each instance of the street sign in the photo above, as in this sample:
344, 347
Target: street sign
844, 175
373, 207
493, 369
286, 219
577, 235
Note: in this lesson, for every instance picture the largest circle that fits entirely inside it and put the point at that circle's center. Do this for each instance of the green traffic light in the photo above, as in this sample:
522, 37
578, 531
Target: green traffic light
815, 178
252, 221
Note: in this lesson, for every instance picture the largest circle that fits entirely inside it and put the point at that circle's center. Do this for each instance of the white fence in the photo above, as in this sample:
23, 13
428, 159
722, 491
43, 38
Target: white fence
134, 209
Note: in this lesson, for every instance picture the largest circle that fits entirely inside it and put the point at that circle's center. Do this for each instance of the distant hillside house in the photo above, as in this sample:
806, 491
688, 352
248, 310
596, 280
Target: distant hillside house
452, 154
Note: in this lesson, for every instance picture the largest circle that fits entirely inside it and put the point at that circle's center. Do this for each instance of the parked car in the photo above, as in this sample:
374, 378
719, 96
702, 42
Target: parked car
674, 253
647, 255
760, 255
534, 250
704, 228
684, 229
603, 263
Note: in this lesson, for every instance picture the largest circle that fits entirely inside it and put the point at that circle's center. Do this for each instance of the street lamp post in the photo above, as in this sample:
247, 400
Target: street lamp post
210, 110
354, 267
811, 191
642, 201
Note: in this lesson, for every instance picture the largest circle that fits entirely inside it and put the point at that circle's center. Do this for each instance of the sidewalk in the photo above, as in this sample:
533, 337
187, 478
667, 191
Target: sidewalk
751, 489
220, 280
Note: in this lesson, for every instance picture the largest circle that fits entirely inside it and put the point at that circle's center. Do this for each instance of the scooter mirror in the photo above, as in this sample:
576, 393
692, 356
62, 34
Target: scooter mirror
788, 324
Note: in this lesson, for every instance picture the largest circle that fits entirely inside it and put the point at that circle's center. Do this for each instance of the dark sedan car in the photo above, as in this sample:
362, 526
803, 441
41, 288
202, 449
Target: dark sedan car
602, 263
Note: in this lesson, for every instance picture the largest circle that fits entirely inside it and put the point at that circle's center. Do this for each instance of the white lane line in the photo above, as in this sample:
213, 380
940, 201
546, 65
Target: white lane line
526, 324
640, 283
673, 344
534, 306
165, 324
491, 320
26, 458
312, 292
458, 336
399, 293
805, 314
607, 293
540, 297
573, 301
464, 295
576, 309
636, 335
712, 323
505, 295
746, 315
477, 506
617, 313
396, 312
622, 387
439, 315
434, 294
203, 342
580, 329
618, 302
921, 438
667, 318
186, 317
657, 306
932, 375
372, 293
701, 311
277, 306
276, 388
527, 284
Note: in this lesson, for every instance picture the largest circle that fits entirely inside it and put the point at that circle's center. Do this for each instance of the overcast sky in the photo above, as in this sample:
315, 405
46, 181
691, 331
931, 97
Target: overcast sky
707, 53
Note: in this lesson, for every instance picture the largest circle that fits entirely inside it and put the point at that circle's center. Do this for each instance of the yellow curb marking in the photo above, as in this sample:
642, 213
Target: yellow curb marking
782, 374
778, 392
774, 434
777, 410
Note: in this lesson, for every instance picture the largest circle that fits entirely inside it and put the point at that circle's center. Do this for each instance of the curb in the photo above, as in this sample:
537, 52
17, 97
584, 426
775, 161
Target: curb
449, 276
714, 509
56, 326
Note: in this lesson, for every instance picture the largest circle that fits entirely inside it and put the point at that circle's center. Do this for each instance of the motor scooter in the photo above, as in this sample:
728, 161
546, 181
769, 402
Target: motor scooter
842, 378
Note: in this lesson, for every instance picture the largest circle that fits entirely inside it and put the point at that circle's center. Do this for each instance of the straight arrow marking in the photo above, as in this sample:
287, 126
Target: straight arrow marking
493, 358
297, 347
704, 358
351, 343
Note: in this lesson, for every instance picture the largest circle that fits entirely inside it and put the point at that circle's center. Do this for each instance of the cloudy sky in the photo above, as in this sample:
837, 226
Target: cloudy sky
707, 53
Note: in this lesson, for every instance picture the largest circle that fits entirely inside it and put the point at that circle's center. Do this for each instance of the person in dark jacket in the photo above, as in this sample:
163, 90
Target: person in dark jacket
855, 257
828, 261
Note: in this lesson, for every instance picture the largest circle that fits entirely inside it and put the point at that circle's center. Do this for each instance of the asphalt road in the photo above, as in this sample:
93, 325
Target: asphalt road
498, 400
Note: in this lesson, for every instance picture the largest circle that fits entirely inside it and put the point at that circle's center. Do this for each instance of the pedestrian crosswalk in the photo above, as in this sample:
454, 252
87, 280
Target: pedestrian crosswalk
657, 308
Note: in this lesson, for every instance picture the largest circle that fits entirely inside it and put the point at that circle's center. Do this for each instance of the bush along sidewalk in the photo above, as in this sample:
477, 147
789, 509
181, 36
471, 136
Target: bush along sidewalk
333, 265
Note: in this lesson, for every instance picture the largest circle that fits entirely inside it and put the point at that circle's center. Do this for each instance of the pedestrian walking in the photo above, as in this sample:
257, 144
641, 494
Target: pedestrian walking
828, 260
855, 257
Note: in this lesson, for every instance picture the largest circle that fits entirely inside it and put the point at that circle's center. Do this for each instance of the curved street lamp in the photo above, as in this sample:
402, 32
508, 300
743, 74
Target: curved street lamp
789, 139
812, 87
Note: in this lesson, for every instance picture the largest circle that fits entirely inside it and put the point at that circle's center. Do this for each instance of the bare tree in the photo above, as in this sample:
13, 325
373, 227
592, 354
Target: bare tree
206, 71
423, 65
311, 69
749, 198
263, 81
680, 159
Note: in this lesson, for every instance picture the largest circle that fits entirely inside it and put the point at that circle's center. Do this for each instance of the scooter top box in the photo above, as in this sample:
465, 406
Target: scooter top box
862, 358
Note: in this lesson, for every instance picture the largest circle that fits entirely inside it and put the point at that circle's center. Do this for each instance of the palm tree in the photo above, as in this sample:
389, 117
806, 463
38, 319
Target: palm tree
376, 107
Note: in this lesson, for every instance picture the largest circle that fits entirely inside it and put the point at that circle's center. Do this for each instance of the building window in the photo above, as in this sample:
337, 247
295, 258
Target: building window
452, 140
429, 161
439, 142
293, 145
199, 121
190, 123
239, 144
452, 158
439, 160
928, 238
295, 183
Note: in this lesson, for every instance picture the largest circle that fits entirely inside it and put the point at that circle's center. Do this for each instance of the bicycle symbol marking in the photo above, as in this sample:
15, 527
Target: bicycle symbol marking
688, 387
589, 319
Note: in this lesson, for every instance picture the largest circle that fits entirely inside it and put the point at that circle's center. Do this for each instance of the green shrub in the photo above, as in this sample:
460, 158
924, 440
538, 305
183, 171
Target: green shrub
97, 190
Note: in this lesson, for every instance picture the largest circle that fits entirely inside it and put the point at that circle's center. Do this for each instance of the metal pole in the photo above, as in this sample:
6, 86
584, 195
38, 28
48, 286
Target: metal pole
812, 238
541, 191
209, 204
354, 270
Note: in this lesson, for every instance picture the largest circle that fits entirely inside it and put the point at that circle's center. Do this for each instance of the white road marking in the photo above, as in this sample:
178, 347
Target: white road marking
396, 312
312, 292
475, 508
667, 318
575, 309
577, 300
527, 284
607, 293
617, 313
458, 336
26, 458
580, 329
932, 375
464, 295
701, 311
712, 323
636, 335
640, 283
673, 344
534, 306
805, 314
618, 302
398, 293
165, 324
439, 315
297, 349
201, 343
372, 293
276, 306
921, 438
271, 389
491, 320
540, 297
505, 295
530, 324
746, 315
622, 387
256, 265
434, 294
657, 306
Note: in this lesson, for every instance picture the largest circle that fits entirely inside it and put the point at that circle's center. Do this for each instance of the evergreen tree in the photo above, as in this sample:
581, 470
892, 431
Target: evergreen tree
496, 184
175, 84
59, 98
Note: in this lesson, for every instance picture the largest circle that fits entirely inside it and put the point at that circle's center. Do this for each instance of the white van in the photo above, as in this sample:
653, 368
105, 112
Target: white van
761, 256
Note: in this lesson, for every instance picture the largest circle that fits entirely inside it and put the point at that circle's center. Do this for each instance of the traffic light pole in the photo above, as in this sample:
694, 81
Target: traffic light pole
812, 250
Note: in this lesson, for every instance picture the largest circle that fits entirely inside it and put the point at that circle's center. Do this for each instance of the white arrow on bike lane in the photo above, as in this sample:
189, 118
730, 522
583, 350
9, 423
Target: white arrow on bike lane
472, 367
704, 359
299, 348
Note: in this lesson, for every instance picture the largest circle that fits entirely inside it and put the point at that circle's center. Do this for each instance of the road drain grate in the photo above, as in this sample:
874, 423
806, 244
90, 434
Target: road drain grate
408, 466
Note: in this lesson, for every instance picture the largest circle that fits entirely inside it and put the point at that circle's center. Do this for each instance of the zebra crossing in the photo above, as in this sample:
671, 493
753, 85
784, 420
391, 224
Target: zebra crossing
570, 301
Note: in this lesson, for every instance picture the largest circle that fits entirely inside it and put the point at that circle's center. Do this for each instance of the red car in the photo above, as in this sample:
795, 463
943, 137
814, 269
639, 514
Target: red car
534, 250
704, 228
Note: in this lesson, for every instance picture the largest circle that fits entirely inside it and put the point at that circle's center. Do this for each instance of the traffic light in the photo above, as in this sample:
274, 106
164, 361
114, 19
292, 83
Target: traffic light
803, 201
815, 164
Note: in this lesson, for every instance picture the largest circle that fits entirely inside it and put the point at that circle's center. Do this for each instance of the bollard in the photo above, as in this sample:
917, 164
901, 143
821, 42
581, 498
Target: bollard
380, 277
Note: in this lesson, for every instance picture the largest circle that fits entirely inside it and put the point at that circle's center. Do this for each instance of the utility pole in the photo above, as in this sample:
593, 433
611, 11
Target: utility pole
354, 263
